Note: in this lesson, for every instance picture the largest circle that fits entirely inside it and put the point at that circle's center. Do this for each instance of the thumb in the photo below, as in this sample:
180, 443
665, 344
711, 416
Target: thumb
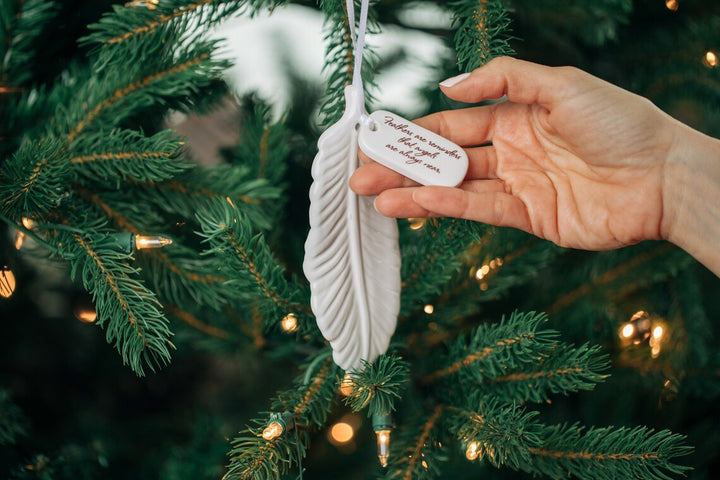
522, 82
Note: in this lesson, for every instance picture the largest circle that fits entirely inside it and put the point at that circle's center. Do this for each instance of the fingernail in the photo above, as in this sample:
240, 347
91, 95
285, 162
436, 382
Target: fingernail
375, 205
452, 81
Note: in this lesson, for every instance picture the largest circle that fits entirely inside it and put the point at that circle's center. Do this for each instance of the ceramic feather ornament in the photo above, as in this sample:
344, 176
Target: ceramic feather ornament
352, 257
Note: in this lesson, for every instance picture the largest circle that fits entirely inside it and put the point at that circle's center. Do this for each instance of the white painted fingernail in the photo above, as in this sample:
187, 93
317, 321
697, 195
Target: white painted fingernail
452, 81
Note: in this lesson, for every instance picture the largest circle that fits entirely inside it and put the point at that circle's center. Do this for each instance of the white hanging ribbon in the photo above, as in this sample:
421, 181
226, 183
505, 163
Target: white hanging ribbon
358, 39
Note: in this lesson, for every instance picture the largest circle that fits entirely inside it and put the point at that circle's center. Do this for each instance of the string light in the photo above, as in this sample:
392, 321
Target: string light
149, 4
346, 385
484, 270
637, 330
382, 424
341, 433
289, 323
429, 309
711, 59
416, 223
7, 282
20, 235
277, 425
85, 313
472, 451
672, 5
383, 446
151, 241
658, 332
273, 430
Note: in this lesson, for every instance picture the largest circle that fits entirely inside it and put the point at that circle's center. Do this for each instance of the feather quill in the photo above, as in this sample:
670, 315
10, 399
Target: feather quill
352, 257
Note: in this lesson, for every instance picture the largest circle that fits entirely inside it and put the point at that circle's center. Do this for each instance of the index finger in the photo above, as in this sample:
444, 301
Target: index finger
468, 127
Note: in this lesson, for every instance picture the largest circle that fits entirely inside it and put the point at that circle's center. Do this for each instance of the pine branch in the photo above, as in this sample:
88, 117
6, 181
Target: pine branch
129, 312
253, 457
563, 370
429, 260
492, 349
20, 25
482, 32
125, 25
608, 453
190, 192
171, 81
379, 385
249, 265
196, 323
420, 459
339, 59
121, 155
34, 180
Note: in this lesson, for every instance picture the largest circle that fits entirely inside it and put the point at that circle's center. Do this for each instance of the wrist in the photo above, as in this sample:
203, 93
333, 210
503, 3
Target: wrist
691, 195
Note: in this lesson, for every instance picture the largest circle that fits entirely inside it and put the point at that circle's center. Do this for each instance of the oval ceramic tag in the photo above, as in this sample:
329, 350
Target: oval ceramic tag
412, 151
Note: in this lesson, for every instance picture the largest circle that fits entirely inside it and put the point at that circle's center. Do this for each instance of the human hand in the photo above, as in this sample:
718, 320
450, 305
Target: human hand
567, 157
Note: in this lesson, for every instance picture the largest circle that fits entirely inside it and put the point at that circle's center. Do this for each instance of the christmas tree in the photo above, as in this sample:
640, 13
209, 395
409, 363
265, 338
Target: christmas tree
156, 320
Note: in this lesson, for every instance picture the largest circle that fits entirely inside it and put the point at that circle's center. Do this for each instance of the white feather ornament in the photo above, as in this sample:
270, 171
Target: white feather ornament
352, 257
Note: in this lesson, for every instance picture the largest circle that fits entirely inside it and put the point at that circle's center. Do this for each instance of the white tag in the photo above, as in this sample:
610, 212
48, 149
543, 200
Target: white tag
412, 151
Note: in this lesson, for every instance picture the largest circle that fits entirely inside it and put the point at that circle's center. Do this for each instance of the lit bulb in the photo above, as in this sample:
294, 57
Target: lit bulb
472, 451
383, 446
657, 332
85, 315
627, 330
346, 385
273, 430
429, 309
637, 330
7, 282
656, 341
416, 223
711, 59
341, 433
672, 5
289, 323
19, 239
150, 241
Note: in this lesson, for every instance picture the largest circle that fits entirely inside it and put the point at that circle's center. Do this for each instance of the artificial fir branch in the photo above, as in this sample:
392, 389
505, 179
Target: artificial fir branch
121, 155
379, 385
252, 268
186, 193
483, 32
129, 311
339, 60
32, 181
197, 323
608, 276
494, 347
418, 461
563, 370
253, 457
125, 24
155, 79
429, 260
20, 25
607, 453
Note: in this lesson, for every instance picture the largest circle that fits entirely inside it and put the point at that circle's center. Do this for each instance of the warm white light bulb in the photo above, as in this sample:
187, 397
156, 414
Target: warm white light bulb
472, 451
273, 430
289, 323
151, 241
627, 330
383, 446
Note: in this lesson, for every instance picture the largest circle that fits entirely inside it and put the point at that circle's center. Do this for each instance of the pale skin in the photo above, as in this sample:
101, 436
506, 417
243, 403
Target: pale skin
567, 157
